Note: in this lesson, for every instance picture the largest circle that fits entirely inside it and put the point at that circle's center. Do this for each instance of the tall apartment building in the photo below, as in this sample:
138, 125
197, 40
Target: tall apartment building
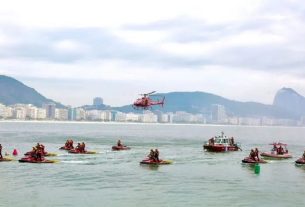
41, 114
80, 114
61, 114
218, 113
97, 101
148, 117
50, 110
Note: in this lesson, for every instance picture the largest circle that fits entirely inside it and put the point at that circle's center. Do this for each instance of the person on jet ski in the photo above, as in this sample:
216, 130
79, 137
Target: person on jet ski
78, 147
71, 143
119, 144
39, 154
38, 145
252, 155
83, 146
1, 152
304, 155
257, 154
67, 144
42, 147
33, 153
151, 155
157, 155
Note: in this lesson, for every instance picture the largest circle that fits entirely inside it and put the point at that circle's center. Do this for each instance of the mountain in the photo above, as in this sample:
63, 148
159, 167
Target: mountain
289, 100
201, 102
13, 91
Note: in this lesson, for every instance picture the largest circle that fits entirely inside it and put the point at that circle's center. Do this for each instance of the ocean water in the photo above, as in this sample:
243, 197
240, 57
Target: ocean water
196, 178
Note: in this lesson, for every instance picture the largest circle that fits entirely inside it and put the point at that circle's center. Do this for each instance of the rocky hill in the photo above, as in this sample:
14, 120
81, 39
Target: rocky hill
289, 100
13, 91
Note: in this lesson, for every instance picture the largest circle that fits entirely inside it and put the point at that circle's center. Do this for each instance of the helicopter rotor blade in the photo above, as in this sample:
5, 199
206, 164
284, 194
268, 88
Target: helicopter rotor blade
151, 92
147, 94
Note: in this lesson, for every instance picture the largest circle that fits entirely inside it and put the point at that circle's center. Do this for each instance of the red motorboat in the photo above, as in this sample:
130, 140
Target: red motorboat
249, 160
221, 144
118, 148
279, 151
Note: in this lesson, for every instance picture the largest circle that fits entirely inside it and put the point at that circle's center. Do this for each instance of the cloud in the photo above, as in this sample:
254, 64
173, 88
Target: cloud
218, 46
266, 39
84, 44
269, 39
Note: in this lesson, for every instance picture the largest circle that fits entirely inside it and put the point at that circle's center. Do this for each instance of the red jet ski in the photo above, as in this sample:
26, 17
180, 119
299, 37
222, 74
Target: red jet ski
300, 161
66, 148
251, 161
75, 151
5, 159
153, 162
118, 148
46, 154
33, 160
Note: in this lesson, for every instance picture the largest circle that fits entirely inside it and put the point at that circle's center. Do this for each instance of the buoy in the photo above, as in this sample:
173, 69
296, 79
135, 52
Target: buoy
257, 169
15, 153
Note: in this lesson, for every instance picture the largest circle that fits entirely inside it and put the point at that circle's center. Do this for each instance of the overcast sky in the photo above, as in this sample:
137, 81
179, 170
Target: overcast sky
72, 51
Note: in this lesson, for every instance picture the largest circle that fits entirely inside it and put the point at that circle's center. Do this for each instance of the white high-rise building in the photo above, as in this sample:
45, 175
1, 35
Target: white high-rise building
50, 109
80, 114
41, 113
61, 114
97, 101
120, 116
19, 112
132, 117
148, 117
163, 118
2, 111
218, 113
183, 117
8, 112
31, 112
98, 115
107, 116
93, 115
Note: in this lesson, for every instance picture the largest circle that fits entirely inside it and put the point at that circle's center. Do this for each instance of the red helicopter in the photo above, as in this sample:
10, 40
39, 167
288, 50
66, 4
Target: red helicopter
146, 102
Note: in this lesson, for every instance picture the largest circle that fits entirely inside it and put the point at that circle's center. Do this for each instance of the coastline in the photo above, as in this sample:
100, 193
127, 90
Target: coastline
141, 123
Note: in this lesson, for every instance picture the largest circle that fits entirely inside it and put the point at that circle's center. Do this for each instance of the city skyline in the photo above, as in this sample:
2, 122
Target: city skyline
242, 50
217, 116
